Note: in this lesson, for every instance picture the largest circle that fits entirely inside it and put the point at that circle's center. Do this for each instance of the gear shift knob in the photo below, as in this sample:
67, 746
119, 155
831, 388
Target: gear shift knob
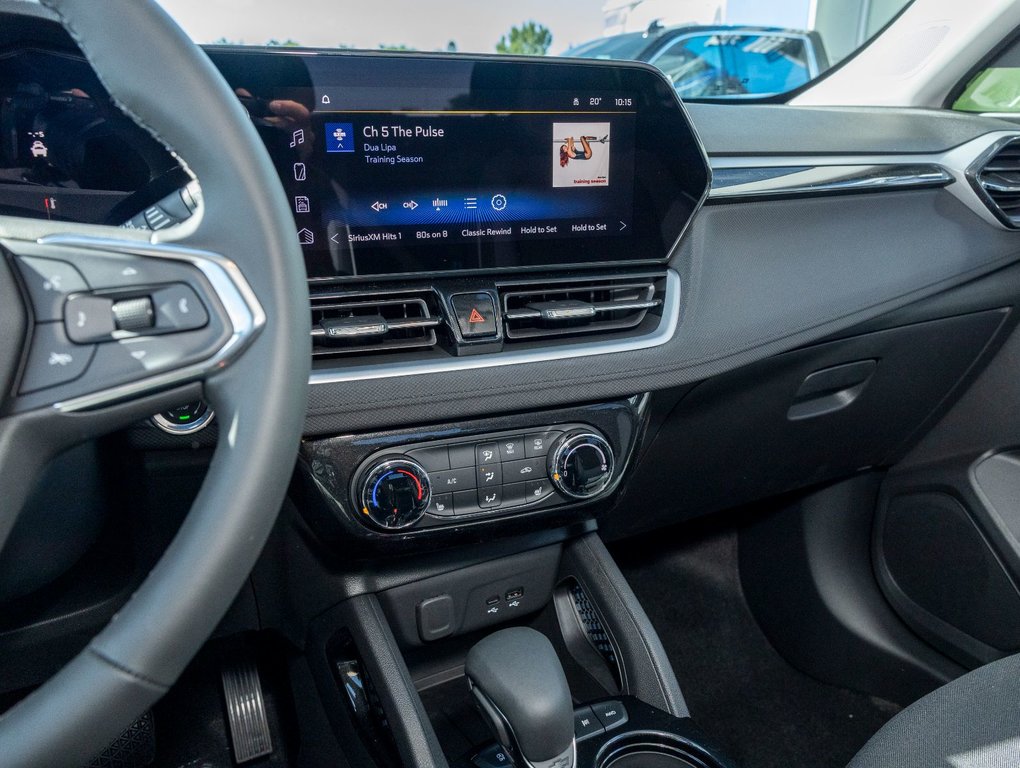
519, 685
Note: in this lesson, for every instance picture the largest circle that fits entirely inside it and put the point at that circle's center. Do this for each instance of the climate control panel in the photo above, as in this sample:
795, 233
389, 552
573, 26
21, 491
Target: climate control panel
492, 474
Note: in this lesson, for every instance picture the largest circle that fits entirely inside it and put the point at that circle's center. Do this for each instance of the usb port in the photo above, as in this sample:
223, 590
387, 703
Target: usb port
492, 600
515, 594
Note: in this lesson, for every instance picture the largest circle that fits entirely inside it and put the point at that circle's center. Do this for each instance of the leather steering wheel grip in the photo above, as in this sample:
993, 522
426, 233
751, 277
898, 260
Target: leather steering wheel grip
168, 85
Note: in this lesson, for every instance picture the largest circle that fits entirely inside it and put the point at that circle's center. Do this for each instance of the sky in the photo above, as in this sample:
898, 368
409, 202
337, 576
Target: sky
475, 25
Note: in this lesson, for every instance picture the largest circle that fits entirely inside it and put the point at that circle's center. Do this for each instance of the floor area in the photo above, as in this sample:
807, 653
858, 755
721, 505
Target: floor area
739, 690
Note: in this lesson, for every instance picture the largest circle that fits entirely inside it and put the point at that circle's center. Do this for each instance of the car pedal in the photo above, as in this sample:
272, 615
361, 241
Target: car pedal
246, 709
134, 748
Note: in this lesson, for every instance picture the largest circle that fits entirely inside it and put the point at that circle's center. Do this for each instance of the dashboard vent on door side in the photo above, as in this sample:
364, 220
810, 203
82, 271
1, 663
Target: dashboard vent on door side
365, 323
574, 307
999, 179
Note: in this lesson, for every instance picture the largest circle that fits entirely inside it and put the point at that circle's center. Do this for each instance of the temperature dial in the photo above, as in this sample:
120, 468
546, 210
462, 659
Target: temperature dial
581, 464
395, 493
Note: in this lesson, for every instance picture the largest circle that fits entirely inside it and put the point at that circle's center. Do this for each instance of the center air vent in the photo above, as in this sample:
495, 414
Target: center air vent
561, 308
999, 179
360, 323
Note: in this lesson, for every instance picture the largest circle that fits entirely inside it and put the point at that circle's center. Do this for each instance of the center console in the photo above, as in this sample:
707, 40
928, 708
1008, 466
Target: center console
542, 658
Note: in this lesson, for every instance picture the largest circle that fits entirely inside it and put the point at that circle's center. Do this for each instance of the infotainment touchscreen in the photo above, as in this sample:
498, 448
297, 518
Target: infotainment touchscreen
561, 166
407, 164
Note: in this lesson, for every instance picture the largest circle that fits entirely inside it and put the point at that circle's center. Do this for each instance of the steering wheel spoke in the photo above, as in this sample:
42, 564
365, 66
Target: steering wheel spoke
116, 319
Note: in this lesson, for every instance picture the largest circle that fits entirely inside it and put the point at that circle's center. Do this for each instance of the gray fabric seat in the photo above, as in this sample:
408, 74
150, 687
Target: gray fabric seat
973, 722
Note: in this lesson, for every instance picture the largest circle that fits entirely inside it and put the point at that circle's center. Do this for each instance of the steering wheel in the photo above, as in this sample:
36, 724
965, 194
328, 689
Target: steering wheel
240, 257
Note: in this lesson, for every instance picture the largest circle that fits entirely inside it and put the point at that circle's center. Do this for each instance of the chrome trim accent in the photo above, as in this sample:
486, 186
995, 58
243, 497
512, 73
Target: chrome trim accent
246, 315
602, 306
982, 187
955, 161
663, 333
351, 327
158, 420
365, 472
829, 179
390, 325
567, 446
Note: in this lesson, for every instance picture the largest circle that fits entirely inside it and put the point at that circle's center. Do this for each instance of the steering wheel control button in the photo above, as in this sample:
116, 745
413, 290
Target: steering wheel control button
89, 319
538, 444
581, 465
586, 724
395, 493
110, 271
53, 358
178, 308
476, 315
134, 315
610, 713
49, 283
185, 419
442, 505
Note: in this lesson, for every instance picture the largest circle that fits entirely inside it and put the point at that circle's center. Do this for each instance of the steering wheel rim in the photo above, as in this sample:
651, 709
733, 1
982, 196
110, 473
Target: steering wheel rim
257, 381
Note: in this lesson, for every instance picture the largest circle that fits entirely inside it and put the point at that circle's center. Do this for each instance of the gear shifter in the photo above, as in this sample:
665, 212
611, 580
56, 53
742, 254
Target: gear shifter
519, 686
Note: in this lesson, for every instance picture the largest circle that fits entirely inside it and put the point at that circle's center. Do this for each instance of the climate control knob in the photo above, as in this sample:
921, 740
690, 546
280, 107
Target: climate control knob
581, 464
395, 493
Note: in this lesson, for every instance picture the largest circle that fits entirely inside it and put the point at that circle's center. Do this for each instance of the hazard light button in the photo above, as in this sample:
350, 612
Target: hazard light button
476, 315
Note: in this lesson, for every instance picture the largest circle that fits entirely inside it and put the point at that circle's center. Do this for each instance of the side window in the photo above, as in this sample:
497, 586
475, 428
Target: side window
996, 88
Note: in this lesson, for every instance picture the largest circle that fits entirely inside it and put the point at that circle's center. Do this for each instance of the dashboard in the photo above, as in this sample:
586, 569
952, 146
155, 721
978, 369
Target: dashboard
654, 302
490, 232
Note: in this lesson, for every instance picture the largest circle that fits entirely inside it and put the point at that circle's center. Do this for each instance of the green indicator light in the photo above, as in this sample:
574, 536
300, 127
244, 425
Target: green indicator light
185, 417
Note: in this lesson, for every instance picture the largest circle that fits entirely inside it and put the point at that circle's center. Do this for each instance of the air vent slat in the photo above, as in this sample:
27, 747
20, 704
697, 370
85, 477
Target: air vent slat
999, 179
578, 307
346, 324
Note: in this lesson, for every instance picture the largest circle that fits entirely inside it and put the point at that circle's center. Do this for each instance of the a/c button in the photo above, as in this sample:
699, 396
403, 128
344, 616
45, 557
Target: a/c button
475, 313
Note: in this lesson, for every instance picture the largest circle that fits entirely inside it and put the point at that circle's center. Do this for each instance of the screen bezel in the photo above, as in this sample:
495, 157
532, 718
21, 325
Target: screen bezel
671, 170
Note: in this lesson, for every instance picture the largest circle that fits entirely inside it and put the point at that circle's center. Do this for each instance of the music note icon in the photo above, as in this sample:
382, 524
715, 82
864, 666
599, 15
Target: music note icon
297, 138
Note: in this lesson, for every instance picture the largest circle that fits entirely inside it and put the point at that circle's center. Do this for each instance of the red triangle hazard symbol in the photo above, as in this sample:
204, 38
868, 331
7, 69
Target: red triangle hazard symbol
475, 317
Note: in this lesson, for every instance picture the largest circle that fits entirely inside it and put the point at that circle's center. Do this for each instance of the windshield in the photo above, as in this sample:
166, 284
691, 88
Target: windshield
625, 46
709, 49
